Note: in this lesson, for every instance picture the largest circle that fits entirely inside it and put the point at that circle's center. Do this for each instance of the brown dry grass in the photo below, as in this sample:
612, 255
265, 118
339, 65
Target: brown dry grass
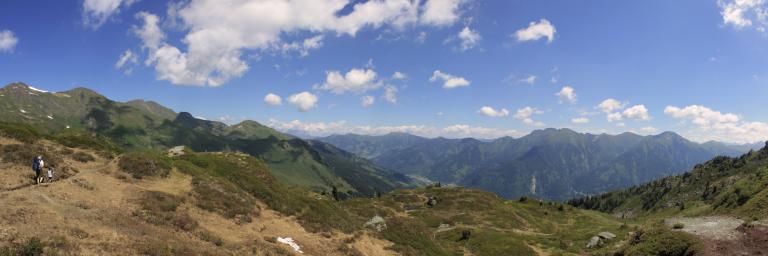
92, 212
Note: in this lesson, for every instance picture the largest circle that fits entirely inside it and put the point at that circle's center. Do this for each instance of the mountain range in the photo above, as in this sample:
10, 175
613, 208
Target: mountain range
142, 125
556, 164
246, 188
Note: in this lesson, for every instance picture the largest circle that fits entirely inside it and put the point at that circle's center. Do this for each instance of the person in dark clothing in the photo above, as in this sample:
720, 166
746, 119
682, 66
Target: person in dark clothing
37, 168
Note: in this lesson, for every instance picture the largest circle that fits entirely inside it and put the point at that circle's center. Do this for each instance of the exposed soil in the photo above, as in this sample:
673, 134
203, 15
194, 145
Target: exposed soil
709, 227
726, 235
754, 241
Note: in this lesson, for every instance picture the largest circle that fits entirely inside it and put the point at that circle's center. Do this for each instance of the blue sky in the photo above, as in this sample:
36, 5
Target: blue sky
699, 68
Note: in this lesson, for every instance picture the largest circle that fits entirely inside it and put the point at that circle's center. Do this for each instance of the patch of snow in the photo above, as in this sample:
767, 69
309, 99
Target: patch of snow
35, 89
22, 111
50, 117
67, 126
289, 241
201, 118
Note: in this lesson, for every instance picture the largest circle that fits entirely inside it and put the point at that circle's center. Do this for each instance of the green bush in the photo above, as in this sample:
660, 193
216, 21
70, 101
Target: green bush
82, 157
411, 237
250, 175
210, 237
21, 132
488, 242
160, 209
145, 164
87, 141
30, 247
661, 241
222, 198
22, 154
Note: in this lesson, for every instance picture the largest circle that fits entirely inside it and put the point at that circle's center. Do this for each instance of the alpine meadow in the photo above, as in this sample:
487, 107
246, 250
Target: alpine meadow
383, 127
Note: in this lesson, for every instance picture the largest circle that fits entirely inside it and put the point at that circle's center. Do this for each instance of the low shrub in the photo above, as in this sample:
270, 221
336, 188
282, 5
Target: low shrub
251, 176
87, 141
160, 209
661, 241
66, 151
82, 157
678, 226
145, 164
21, 132
78, 233
22, 154
29, 247
222, 198
207, 236
411, 237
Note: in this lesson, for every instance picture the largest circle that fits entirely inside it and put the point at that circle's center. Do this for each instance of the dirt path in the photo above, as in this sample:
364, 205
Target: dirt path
709, 227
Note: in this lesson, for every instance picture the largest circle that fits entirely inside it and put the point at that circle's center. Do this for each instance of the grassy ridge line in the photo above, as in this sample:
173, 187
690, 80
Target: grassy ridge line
499, 227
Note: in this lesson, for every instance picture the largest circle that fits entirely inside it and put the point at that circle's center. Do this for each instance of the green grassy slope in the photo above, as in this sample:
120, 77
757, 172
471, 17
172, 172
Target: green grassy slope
497, 226
725, 185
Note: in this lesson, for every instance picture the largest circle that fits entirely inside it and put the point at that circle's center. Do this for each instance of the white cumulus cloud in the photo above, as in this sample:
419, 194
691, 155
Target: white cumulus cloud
610, 105
399, 76
303, 47
743, 13
273, 99
8, 40
449, 81
567, 94
469, 38
304, 101
367, 100
126, 61
636, 112
97, 12
441, 12
709, 124
617, 116
390, 94
580, 120
342, 127
218, 33
536, 31
531, 79
525, 114
355, 80
491, 112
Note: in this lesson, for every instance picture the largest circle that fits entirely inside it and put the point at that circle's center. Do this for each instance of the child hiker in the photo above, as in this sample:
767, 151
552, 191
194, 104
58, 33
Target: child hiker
50, 174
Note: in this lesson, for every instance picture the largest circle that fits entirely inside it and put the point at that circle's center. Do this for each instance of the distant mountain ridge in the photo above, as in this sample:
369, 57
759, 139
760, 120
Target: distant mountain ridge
141, 125
552, 163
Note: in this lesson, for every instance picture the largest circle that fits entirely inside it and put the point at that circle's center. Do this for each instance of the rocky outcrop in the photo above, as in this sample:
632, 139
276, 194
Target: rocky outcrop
599, 239
377, 223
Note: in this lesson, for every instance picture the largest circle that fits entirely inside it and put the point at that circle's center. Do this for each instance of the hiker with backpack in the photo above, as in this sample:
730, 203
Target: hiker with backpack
40, 177
37, 166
